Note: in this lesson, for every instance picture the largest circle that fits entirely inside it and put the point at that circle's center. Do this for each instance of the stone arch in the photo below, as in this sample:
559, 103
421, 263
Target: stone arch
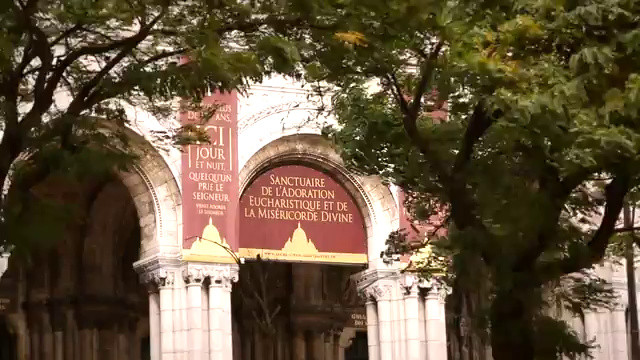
156, 195
373, 198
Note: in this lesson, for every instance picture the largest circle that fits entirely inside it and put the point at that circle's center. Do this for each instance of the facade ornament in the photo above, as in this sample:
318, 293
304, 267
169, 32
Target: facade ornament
157, 271
193, 275
379, 292
159, 277
409, 284
376, 284
164, 278
436, 289
221, 275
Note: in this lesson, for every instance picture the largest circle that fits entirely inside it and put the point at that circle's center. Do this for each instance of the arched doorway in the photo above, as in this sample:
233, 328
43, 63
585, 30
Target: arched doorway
293, 311
358, 350
81, 297
303, 235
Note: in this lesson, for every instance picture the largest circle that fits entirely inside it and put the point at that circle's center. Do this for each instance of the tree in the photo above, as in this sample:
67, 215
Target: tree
538, 152
629, 257
70, 70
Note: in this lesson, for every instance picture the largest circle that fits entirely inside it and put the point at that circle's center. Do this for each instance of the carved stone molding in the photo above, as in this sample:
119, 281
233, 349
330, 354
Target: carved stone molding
164, 278
435, 290
159, 277
157, 270
376, 284
409, 283
221, 275
193, 275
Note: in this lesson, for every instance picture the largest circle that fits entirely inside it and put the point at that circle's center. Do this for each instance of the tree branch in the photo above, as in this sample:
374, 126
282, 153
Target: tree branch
397, 93
273, 20
479, 123
66, 33
411, 114
34, 116
557, 191
463, 208
615, 193
163, 55
425, 77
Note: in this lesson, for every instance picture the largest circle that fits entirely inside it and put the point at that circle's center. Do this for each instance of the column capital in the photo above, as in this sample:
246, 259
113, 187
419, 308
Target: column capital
378, 291
435, 290
221, 275
410, 284
158, 270
193, 275
159, 277
376, 284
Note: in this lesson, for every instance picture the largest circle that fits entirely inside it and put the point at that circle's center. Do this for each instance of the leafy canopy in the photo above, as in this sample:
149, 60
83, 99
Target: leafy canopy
73, 74
539, 147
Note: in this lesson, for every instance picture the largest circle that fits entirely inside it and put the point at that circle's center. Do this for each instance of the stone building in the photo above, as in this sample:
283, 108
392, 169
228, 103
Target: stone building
128, 282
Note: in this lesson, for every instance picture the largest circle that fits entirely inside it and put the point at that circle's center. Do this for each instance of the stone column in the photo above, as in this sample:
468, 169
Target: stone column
34, 334
58, 324
385, 322
85, 345
22, 335
299, 345
165, 286
373, 333
221, 277
422, 329
205, 322
412, 321
167, 311
436, 329
619, 328
592, 330
215, 322
70, 335
328, 345
398, 322
336, 344
180, 347
317, 345
194, 278
46, 345
154, 324
125, 339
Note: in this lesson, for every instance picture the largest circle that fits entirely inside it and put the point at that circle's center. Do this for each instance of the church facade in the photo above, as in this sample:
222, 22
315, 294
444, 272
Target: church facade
258, 246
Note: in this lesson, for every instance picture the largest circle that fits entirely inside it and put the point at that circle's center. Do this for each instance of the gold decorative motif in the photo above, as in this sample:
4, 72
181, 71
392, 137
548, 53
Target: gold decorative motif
210, 247
300, 248
299, 243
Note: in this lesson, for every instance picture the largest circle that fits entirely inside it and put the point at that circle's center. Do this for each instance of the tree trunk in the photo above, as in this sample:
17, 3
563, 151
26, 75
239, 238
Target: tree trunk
466, 307
631, 286
512, 333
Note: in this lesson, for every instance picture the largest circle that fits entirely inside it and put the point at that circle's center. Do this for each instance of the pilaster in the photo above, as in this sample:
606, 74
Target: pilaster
435, 324
189, 308
405, 315
160, 274
221, 277
412, 317
194, 278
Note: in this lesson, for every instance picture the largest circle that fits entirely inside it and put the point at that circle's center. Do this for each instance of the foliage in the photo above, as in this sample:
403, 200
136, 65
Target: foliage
557, 340
74, 75
540, 144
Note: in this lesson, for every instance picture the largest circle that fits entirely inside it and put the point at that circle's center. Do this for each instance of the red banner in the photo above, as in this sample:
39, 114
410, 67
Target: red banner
296, 213
210, 183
